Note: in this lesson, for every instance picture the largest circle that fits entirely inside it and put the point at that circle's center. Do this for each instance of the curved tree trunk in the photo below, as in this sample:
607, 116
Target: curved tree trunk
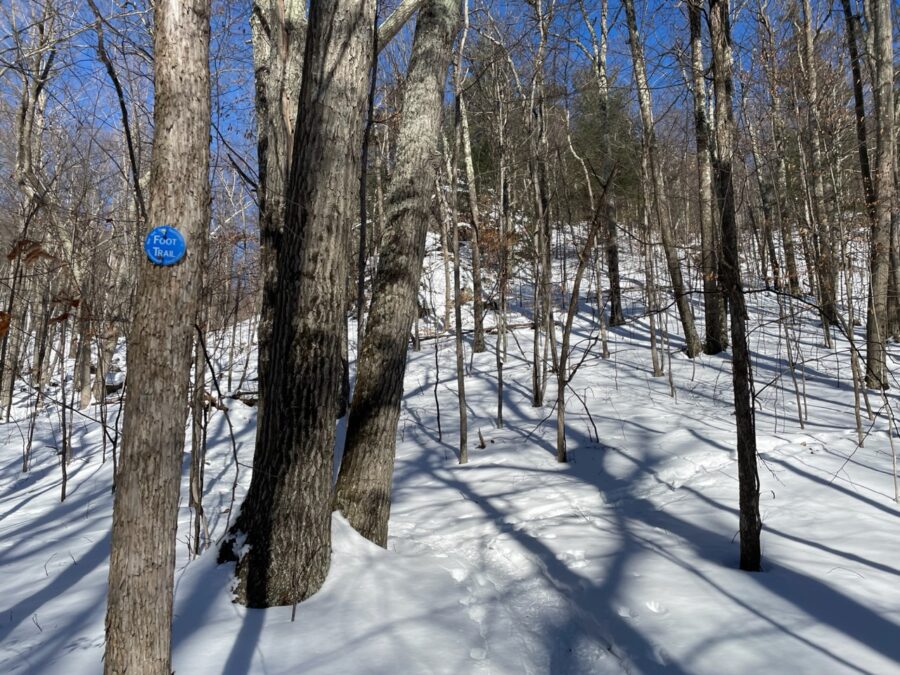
363, 491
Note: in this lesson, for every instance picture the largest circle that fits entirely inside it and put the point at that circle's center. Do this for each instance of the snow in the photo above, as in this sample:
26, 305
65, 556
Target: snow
623, 560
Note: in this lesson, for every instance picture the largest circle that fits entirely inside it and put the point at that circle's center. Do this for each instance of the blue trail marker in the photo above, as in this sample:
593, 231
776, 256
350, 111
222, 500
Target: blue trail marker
164, 245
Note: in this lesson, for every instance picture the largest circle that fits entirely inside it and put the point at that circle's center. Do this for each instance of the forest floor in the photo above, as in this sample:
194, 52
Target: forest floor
623, 560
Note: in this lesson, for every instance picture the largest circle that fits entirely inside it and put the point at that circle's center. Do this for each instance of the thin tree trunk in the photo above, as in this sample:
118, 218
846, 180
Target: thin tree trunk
714, 308
877, 319
781, 194
503, 280
851, 22
598, 58
656, 188
748, 477
822, 225
478, 300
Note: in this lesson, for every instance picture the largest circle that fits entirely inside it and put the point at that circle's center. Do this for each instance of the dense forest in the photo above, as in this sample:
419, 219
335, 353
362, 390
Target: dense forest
280, 279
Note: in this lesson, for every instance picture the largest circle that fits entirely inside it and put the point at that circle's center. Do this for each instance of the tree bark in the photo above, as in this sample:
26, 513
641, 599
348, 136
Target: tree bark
139, 610
286, 516
478, 300
682, 300
877, 319
742, 376
278, 32
714, 309
363, 491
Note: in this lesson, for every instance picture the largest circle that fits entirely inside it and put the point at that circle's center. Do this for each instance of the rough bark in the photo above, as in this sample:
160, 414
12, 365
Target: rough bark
742, 376
278, 32
363, 490
139, 610
286, 516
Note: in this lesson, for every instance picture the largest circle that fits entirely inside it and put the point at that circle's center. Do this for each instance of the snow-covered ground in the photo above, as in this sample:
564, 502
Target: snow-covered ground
623, 560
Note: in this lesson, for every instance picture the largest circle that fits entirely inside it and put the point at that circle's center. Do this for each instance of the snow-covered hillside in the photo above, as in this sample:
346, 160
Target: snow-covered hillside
622, 560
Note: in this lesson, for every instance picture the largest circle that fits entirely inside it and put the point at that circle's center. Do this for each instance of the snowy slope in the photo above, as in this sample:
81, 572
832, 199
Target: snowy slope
624, 560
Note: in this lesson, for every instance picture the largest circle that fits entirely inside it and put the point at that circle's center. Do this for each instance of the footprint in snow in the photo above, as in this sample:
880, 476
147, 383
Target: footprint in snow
627, 613
478, 653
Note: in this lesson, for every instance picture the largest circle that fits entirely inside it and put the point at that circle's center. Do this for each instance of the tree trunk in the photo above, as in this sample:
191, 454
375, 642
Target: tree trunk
742, 376
821, 227
278, 32
598, 57
877, 320
82, 381
363, 490
139, 610
851, 22
682, 300
714, 308
784, 215
478, 300
286, 515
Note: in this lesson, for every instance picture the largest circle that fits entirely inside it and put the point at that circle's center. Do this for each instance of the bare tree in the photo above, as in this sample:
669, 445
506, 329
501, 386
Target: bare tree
139, 611
876, 322
709, 242
363, 491
286, 516
742, 376
656, 189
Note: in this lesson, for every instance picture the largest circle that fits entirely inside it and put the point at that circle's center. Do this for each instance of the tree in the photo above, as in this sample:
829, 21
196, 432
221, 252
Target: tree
709, 260
876, 321
363, 489
742, 377
597, 56
655, 190
821, 228
139, 611
278, 30
285, 520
